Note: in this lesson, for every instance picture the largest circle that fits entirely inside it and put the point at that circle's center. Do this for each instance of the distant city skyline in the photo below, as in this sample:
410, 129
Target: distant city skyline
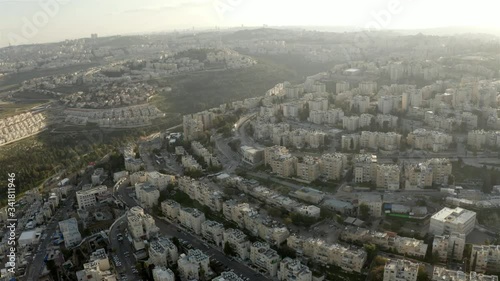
33, 21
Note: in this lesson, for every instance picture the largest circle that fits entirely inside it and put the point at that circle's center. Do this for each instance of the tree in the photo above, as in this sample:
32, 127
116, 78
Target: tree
176, 242
422, 274
474, 263
435, 257
371, 250
487, 186
364, 211
229, 249
453, 250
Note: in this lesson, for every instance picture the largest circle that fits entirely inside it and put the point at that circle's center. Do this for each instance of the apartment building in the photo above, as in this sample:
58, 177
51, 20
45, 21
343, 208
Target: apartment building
70, 232
140, 224
449, 246
443, 274
441, 169
205, 193
479, 139
333, 165
93, 272
334, 116
280, 160
97, 175
147, 194
359, 104
485, 258
192, 219
238, 240
388, 176
374, 203
90, 197
386, 240
252, 155
213, 231
385, 104
159, 180
138, 177
366, 120
162, 251
350, 142
309, 168
341, 87
161, 273
268, 229
429, 140
170, 209
386, 121
449, 220
228, 276
350, 123
265, 258
367, 87
318, 104
133, 165
284, 166
377, 140
293, 270
192, 264
417, 176
365, 168
190, 164
349, 259
400, 270
195, 124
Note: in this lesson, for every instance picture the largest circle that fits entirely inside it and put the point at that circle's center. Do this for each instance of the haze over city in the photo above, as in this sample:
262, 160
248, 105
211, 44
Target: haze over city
249, 140
56, 20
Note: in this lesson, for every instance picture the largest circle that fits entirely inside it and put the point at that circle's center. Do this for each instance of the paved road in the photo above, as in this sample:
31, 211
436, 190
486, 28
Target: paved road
127, 263
37, 265
171, 230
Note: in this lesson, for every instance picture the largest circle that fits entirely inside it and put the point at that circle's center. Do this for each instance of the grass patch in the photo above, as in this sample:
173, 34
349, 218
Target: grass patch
211, 88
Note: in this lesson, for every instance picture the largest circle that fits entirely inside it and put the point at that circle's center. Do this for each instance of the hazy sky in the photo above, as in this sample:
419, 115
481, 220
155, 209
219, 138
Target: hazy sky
35, 21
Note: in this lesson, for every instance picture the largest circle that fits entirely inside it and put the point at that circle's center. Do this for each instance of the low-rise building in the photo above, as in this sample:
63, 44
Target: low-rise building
192, 264
374, 203
70, 232
238, 240
449, 220
162, 251
365, 168
308, 169
443, 274
388, 176
170, 209
133, 165
140, 224
212, 231
333, 165
293, 270
265, 258
90, 197
161, 273
400, 270
192, 219
147, 194
485, 258
449, 246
